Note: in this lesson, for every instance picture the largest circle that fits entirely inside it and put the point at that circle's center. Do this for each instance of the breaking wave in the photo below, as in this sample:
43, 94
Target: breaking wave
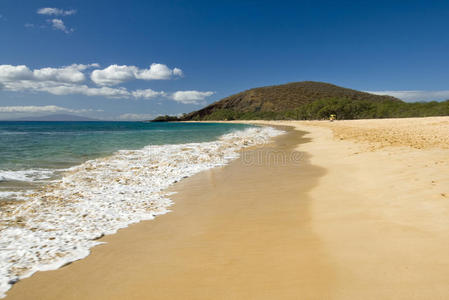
62, 221
26, 175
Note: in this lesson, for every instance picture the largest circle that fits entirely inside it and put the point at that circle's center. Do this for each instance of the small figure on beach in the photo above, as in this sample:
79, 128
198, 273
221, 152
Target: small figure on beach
332, 117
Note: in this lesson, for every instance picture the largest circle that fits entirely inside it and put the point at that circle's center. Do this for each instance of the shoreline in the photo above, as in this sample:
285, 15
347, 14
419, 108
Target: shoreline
353, 220
204, 246
65, 219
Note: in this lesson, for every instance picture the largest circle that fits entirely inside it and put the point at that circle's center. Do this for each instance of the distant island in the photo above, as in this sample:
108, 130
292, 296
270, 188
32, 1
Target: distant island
309, 100
55, 118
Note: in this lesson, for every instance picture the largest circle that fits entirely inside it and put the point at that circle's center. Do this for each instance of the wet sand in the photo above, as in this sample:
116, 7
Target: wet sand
238, 232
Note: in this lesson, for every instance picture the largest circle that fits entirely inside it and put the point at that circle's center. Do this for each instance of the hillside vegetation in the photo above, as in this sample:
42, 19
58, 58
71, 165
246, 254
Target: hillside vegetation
310, 100
344, 109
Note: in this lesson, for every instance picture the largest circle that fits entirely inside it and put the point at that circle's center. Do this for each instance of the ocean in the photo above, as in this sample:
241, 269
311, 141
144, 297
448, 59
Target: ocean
63, 185
32, 153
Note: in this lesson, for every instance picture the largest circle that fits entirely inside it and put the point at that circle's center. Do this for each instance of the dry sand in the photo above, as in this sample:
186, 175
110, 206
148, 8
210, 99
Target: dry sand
381, 211
363, 214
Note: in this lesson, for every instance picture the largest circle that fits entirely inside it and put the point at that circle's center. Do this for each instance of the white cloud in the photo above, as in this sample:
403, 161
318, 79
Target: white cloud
104, 91
9, 72
69, 74
191, 97
57, 81
135, 117
85, 90
115, 74
55, 11
62, 88
178, 72
412, 96
29, 25
146, 94
157, 72
69, 88
39, 109
70, 80
58, 24
64, 74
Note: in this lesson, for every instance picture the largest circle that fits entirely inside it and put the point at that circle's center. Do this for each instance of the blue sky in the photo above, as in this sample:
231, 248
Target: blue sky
137, 59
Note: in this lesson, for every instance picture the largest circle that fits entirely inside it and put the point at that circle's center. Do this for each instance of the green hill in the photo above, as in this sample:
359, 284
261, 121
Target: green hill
277, 101
310, 100
281, 98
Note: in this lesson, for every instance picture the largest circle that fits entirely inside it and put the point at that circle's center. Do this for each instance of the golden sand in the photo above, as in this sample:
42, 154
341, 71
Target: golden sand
424, 133
235, 232
362, 213
381, 211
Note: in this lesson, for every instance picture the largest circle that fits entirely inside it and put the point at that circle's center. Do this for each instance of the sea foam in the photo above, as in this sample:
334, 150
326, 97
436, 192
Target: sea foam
61, 222
26, 175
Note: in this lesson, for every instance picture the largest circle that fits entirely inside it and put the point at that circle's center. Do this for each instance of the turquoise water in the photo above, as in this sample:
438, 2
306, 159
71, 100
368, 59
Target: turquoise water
30, 150
50, 217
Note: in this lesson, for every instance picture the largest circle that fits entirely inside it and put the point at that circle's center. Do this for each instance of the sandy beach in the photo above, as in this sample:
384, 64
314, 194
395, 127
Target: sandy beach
330, 210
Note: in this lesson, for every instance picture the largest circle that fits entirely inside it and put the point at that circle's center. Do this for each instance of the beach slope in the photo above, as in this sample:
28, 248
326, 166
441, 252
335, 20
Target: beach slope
341, 210
381, 210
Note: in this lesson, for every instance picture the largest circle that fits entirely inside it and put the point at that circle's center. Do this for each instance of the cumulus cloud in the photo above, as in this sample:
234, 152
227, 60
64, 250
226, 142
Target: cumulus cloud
58, 24
115, 74
65, 74
71, 80
70, 89
157, 72
57, 81
112, 75
413, 96
120, 92
63, 88
146, 94
38, 109
9, 72
178, 72
55, 11
191, 97
69, 74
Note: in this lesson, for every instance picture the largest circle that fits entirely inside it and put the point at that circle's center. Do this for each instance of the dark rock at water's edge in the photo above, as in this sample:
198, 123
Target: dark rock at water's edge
165, 118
